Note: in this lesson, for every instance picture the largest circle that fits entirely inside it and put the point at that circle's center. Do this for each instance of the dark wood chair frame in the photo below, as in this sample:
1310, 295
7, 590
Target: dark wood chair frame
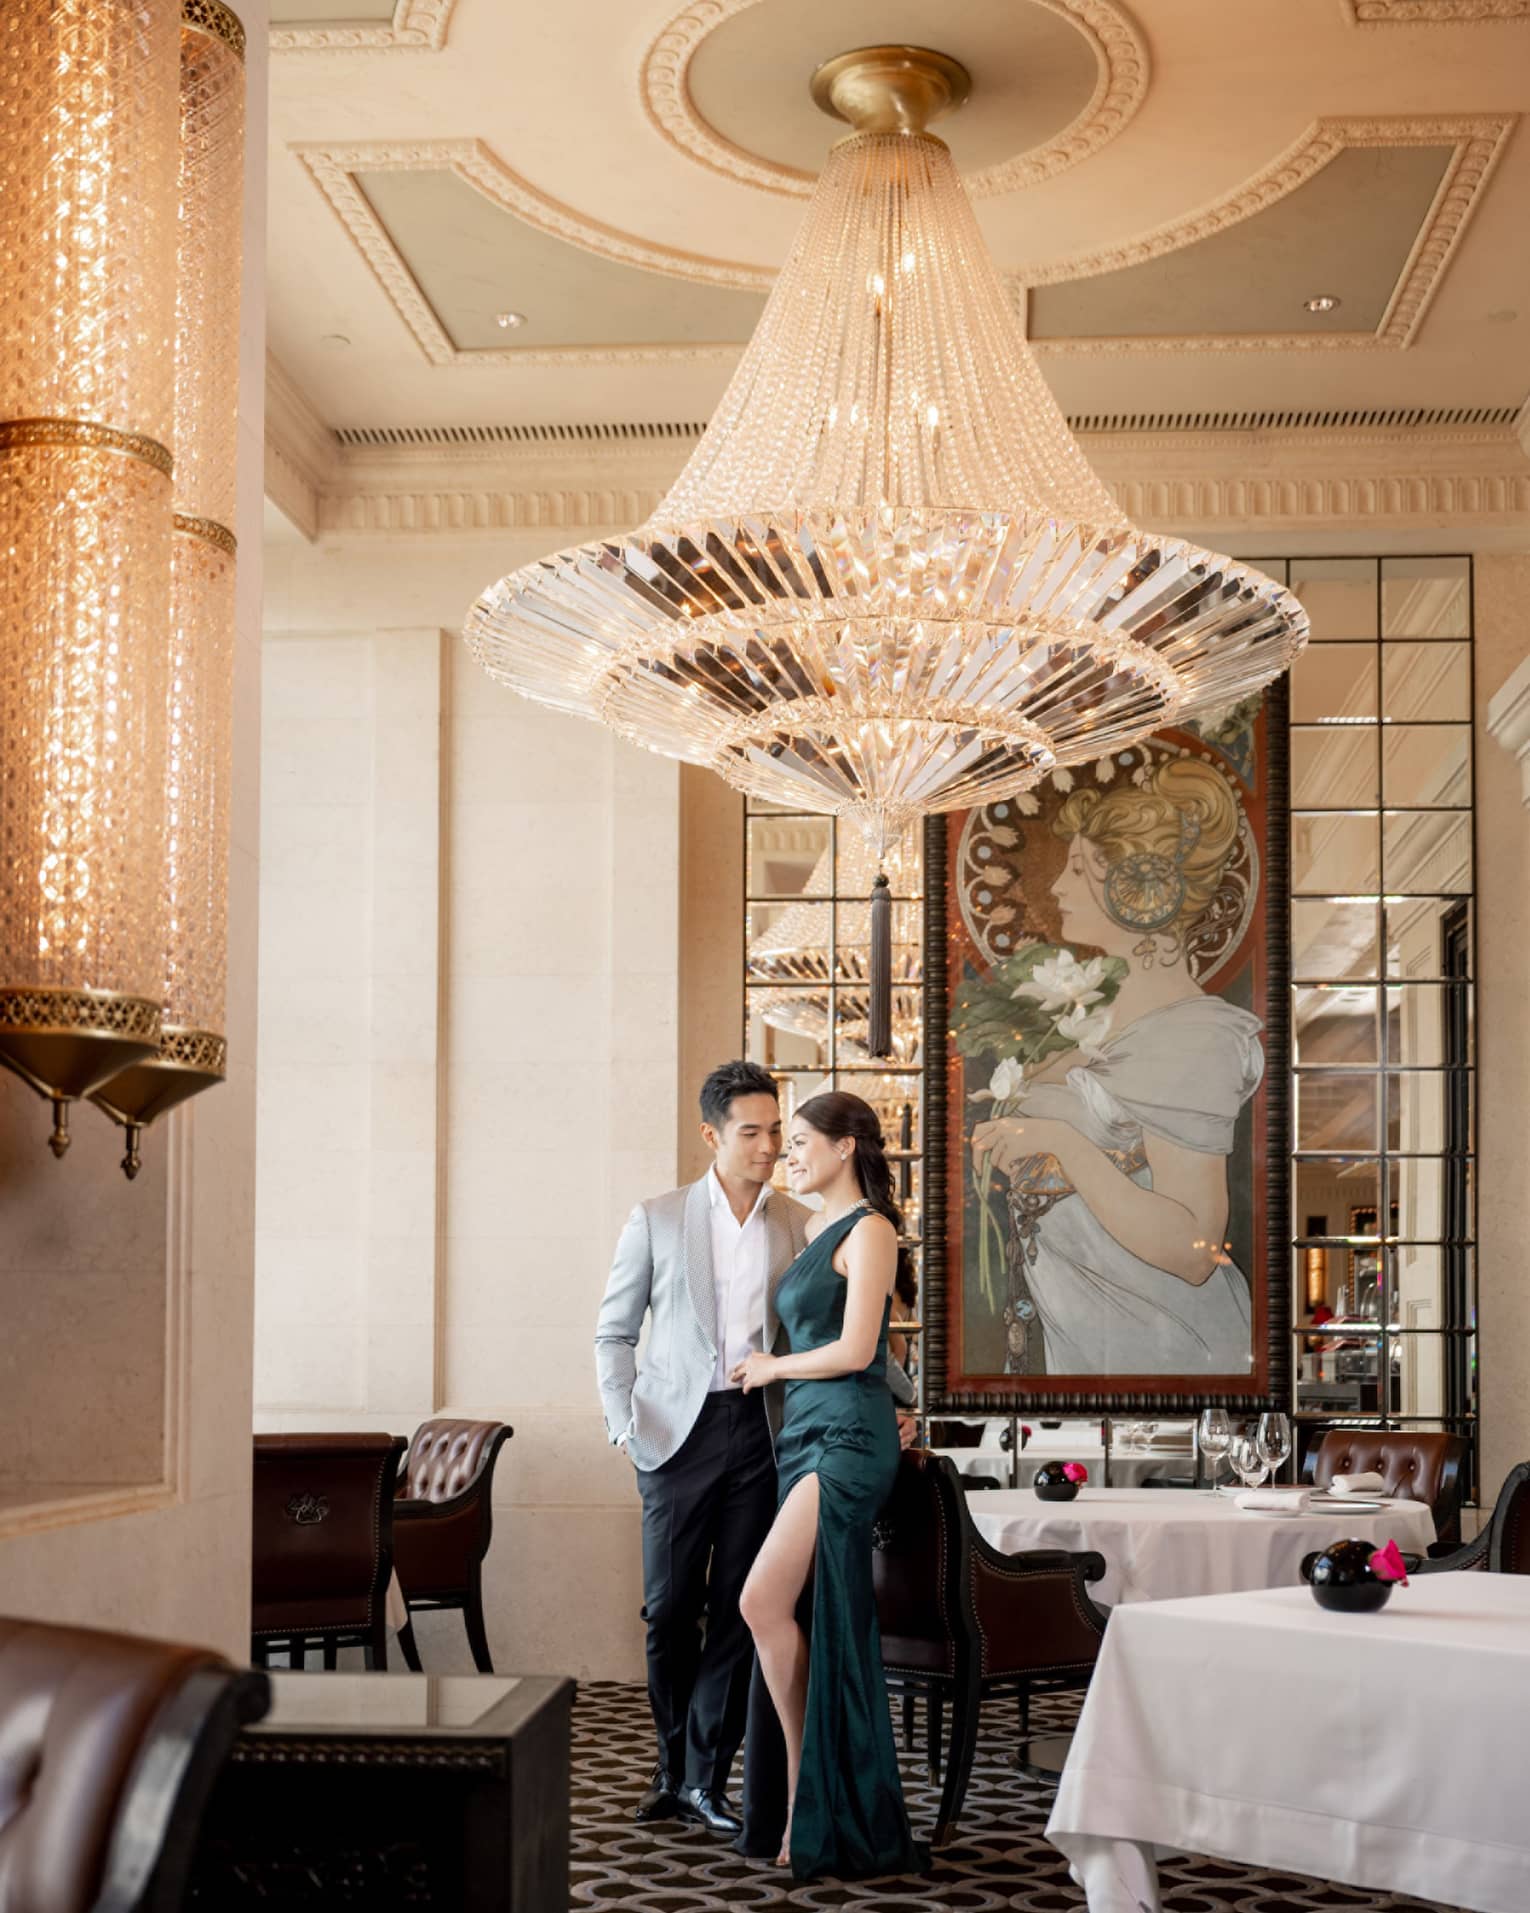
468, 1598
967, 1686
1505, 1540
371, 1639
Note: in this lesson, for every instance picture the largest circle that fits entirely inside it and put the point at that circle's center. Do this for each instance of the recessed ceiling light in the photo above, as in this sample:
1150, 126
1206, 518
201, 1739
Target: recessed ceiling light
334, 341
1322, 302
509, 321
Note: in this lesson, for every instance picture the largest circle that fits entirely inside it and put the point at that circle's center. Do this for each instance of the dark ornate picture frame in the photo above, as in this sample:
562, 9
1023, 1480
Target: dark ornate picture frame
1269, 1388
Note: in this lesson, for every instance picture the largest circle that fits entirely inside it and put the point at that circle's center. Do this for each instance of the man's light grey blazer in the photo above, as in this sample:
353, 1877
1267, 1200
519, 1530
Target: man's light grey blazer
663, 1268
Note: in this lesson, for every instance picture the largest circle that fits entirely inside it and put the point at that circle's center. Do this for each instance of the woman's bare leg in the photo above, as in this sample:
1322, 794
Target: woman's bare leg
769, 1606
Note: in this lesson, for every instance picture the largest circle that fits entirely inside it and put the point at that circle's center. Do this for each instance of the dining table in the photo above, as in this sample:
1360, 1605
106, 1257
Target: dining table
1384, 1751
1162, 1543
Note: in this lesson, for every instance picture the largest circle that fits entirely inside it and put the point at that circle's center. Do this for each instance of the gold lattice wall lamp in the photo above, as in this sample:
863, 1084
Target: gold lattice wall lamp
887, 582
87, 308
192, 1049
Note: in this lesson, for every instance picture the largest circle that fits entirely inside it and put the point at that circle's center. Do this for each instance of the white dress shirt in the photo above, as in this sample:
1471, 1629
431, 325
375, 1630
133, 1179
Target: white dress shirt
740, 1274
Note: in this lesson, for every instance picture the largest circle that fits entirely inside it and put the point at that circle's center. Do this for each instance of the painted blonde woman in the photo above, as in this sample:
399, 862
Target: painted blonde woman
1116, 1159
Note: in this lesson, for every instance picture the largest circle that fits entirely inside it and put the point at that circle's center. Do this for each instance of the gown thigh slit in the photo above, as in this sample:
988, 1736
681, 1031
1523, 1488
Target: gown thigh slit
849, 1820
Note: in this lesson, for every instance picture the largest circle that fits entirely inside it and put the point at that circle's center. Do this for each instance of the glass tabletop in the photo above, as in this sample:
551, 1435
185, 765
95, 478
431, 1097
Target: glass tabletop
372, 1703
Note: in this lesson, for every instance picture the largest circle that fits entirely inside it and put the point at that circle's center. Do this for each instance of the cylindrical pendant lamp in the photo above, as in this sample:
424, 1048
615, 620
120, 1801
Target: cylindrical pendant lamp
87, 308
192, 1051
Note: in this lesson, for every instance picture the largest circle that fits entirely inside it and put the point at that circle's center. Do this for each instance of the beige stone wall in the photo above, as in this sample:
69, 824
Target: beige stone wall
148, 1380
1503, 1031
539, 1048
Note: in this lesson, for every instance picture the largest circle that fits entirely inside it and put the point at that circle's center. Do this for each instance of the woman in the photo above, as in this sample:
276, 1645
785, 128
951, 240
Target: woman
836, 1459
1117, 1161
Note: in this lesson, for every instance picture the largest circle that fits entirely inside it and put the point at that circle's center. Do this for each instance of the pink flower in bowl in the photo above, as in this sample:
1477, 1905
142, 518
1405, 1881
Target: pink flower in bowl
1387, 1564
1075, 1471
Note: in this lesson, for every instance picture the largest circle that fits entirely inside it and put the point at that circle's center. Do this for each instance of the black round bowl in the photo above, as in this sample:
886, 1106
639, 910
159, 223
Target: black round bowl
1341, 1578
1051, 1484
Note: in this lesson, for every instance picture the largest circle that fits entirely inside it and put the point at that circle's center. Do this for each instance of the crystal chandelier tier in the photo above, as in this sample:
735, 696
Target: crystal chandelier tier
192, 1054
87, 260
887, 581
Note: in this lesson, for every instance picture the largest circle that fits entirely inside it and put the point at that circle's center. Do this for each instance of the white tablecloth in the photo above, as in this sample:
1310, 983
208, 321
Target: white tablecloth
1162, 1543
1384, 1750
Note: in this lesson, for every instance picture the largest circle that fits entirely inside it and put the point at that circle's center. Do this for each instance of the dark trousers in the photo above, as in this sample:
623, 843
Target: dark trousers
705, 1514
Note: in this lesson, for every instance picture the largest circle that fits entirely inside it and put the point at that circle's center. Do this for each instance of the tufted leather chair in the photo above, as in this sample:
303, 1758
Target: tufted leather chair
1418, 1466
443, 1523
323, 1544
109, 1746
1503, 1547
961, 1622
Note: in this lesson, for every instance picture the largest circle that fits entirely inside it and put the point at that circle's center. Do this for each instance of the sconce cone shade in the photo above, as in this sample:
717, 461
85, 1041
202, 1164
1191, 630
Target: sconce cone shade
198, 716
886, 582
87, 267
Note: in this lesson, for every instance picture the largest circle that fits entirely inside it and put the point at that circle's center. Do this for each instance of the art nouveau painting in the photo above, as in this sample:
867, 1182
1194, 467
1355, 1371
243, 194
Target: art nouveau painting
1110, 1160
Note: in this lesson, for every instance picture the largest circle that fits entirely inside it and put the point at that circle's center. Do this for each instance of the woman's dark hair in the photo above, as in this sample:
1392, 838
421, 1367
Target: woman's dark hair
729, 1080
838, 1115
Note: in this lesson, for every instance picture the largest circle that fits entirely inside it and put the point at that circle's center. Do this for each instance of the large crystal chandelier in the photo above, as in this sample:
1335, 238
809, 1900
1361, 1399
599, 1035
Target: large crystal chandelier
886, 582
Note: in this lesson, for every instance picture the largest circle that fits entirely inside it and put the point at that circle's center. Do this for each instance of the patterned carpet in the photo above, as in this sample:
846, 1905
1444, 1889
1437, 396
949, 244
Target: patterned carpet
1001, 1859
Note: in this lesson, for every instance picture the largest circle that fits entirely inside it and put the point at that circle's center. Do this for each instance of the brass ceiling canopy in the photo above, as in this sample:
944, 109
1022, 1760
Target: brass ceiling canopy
890, 89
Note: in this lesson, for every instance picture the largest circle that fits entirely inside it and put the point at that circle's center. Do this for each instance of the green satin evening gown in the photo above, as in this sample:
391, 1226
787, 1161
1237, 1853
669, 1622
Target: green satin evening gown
850, 1821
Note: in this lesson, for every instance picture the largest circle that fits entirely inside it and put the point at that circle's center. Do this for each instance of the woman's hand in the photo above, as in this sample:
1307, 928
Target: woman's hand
754, 1371
1011, 1140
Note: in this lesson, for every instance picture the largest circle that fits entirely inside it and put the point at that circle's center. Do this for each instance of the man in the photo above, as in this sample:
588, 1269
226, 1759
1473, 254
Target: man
702, 1263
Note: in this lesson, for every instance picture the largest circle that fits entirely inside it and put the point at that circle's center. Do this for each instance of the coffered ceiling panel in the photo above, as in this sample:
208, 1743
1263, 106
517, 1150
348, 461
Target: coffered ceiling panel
1347, 234
474, 262
1166, 178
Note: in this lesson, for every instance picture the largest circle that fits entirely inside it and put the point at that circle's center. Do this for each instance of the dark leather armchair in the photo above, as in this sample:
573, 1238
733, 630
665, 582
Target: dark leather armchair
323, 1544
443, 1523
961, 1622
1503, 1547
1415, 1467
109, 1746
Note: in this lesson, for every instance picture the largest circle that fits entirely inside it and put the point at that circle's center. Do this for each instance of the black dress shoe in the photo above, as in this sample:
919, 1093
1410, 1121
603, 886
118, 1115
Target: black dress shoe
660, 1799
710, 1810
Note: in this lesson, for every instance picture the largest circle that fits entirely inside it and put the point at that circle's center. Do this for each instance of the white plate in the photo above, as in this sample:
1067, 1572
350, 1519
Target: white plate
1349, 1504
1280, 1514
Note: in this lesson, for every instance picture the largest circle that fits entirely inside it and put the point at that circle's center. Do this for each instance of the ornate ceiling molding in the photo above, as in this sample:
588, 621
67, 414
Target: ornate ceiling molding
334, 170
1434, 13
417, 26
1122, 71
1478, 140
1476, 482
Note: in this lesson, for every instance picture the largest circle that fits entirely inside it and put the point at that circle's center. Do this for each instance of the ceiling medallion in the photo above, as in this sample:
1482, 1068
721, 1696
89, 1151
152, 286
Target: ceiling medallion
886, 582
1119, 49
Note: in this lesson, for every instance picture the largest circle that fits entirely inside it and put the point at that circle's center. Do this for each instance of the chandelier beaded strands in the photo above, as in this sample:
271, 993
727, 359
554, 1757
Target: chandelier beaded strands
887, 582
192, 1051
87, 265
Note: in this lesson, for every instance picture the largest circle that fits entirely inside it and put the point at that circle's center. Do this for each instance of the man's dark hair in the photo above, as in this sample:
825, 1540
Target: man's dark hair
733, 1079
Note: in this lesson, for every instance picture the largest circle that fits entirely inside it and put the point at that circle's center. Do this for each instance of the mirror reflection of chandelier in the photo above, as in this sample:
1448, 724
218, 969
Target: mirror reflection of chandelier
886, 582
810, 941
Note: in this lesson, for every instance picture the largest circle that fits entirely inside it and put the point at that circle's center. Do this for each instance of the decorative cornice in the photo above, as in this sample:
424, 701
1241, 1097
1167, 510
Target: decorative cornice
1226, 482
417, 26
301, 456
1478, 139
1508, 721
1433, 13
1121, 60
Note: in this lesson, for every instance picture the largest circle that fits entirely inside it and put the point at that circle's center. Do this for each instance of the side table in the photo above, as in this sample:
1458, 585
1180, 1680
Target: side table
433, 1793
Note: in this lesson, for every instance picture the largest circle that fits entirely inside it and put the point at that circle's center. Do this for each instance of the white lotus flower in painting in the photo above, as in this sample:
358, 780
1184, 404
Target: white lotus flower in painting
1087, 1031
1007, 1082
1061, 982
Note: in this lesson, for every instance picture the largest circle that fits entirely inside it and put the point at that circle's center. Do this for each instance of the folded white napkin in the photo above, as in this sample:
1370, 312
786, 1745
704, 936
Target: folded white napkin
1366, 1484
1258, 1499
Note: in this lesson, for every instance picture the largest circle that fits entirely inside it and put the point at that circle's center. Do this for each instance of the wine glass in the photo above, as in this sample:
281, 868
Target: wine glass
1248, 1460
1274, 1438
1215, 1435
